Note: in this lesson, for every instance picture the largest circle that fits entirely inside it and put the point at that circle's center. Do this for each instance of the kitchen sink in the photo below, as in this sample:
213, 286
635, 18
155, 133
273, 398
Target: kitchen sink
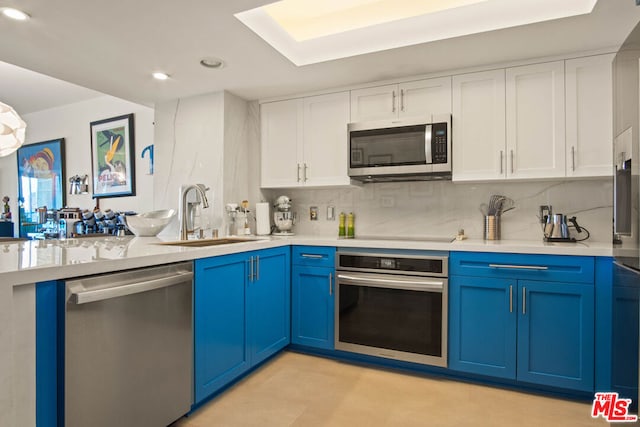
208, 242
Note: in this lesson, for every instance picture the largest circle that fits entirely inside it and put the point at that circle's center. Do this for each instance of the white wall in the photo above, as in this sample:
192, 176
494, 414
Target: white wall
71, 122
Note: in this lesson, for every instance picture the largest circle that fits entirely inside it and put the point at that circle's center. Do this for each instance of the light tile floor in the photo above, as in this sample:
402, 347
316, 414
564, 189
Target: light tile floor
301, 390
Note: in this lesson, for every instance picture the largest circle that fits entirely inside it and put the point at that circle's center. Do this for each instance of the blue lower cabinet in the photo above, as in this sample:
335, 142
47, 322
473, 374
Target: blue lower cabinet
556, 334
313, 306
219, 323
269, 303
482, 326
534, 331
241, 315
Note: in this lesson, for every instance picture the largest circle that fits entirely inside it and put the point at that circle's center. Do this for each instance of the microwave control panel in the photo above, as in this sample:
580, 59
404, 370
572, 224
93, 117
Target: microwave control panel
439, 143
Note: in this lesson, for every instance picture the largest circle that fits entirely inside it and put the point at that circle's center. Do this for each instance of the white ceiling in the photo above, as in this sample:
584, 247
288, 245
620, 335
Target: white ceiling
113, 46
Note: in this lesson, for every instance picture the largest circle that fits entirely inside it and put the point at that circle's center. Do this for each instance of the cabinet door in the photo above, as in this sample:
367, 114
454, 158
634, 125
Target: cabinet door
589, 103
479, 126
281, 143
313, 306
219, 323
425, 97
535, 121
556, 334
325, 139
482, 326
268, 303
374, 103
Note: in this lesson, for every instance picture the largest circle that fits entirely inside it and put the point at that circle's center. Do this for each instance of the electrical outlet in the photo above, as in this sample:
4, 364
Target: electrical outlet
331, 213
545, 211
313, 213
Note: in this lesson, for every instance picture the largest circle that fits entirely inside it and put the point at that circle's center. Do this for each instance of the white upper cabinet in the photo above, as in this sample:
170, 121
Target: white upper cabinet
325, 139
410, 99
304, 141
535, 121
425, 97
478, 135
281, 143
374, 103
589, 104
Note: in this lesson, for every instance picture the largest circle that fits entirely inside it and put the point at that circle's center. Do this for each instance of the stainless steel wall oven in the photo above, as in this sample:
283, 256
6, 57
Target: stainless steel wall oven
392, 305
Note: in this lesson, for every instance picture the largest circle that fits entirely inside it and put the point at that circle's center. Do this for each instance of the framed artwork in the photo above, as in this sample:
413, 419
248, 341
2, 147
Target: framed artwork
41, 181
113, 157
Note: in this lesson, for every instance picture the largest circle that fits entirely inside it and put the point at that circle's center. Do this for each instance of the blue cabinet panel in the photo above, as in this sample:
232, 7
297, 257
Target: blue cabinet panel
47, 353
219, 323
313, 306
554, 268
269, 303
624, 352
556, 334
482, 326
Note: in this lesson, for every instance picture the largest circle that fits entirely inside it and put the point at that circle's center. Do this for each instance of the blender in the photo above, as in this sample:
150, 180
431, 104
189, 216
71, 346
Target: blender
283, 218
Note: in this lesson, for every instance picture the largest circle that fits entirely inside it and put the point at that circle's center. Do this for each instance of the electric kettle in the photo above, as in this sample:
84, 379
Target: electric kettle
556, 228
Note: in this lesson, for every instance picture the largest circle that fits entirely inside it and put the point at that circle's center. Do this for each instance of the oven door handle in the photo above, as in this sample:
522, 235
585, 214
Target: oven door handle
412, 285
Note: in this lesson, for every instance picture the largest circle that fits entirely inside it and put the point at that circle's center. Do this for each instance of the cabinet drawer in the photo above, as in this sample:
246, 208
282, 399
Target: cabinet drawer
314, 256
555, 268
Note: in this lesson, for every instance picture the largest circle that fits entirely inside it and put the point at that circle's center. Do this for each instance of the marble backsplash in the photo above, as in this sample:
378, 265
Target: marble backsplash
413, 209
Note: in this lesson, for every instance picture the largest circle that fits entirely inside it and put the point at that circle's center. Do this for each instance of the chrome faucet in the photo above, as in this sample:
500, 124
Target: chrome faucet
183, 206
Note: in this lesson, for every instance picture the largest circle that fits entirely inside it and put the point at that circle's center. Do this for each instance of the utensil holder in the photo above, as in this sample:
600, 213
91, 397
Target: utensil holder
491, 227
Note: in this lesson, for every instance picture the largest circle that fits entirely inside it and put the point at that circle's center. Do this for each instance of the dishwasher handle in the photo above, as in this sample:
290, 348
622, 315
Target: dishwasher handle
85, 297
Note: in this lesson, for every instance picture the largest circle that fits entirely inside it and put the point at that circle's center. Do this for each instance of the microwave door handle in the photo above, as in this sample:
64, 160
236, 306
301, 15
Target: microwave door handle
427, 145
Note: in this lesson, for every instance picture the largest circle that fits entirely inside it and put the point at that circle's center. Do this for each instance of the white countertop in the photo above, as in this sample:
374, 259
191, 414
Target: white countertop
41, 260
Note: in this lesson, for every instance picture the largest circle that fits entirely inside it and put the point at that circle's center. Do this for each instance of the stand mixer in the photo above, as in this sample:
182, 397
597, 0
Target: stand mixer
283, 218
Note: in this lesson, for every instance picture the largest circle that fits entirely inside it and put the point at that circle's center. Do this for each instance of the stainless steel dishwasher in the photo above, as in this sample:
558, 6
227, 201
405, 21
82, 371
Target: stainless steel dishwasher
129, 347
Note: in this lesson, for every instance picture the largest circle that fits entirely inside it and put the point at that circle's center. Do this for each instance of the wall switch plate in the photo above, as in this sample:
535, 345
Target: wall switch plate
313, 213
331, 213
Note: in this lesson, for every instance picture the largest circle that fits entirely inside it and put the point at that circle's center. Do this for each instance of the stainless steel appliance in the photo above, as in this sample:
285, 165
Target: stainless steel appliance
128, 348
626, 248
401, 150
392, 305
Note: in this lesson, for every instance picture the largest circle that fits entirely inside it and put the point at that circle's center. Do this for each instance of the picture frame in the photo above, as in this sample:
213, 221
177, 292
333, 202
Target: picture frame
41, 182
113, 157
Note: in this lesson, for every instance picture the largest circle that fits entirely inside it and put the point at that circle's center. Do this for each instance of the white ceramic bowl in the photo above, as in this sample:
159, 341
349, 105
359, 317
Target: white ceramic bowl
149, 223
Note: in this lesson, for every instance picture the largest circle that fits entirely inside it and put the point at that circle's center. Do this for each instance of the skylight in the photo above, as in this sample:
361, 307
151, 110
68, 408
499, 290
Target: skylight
311, 31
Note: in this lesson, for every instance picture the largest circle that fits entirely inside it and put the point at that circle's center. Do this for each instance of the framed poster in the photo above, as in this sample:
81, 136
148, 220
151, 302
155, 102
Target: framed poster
113, 157
41, 181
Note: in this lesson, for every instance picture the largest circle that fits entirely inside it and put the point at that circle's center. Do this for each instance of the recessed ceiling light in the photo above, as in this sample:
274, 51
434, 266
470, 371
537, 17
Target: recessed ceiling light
160, 75
16, 14
212, 62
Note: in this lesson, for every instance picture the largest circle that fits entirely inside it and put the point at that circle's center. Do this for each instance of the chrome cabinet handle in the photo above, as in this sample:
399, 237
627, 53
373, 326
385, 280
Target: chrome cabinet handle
501, 162
511, 162
524, 300
314, 256
401, 99
330, 283
304, 174
298, 172
573, 159
510, 298
393, 101
519, 267
251, 269
257, 268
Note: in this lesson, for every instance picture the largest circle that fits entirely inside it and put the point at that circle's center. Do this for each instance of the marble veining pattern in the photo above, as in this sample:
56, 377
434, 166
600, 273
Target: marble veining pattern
441, 208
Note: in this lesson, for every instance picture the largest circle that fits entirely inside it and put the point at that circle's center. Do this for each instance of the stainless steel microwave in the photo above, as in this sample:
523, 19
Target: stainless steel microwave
413, 149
